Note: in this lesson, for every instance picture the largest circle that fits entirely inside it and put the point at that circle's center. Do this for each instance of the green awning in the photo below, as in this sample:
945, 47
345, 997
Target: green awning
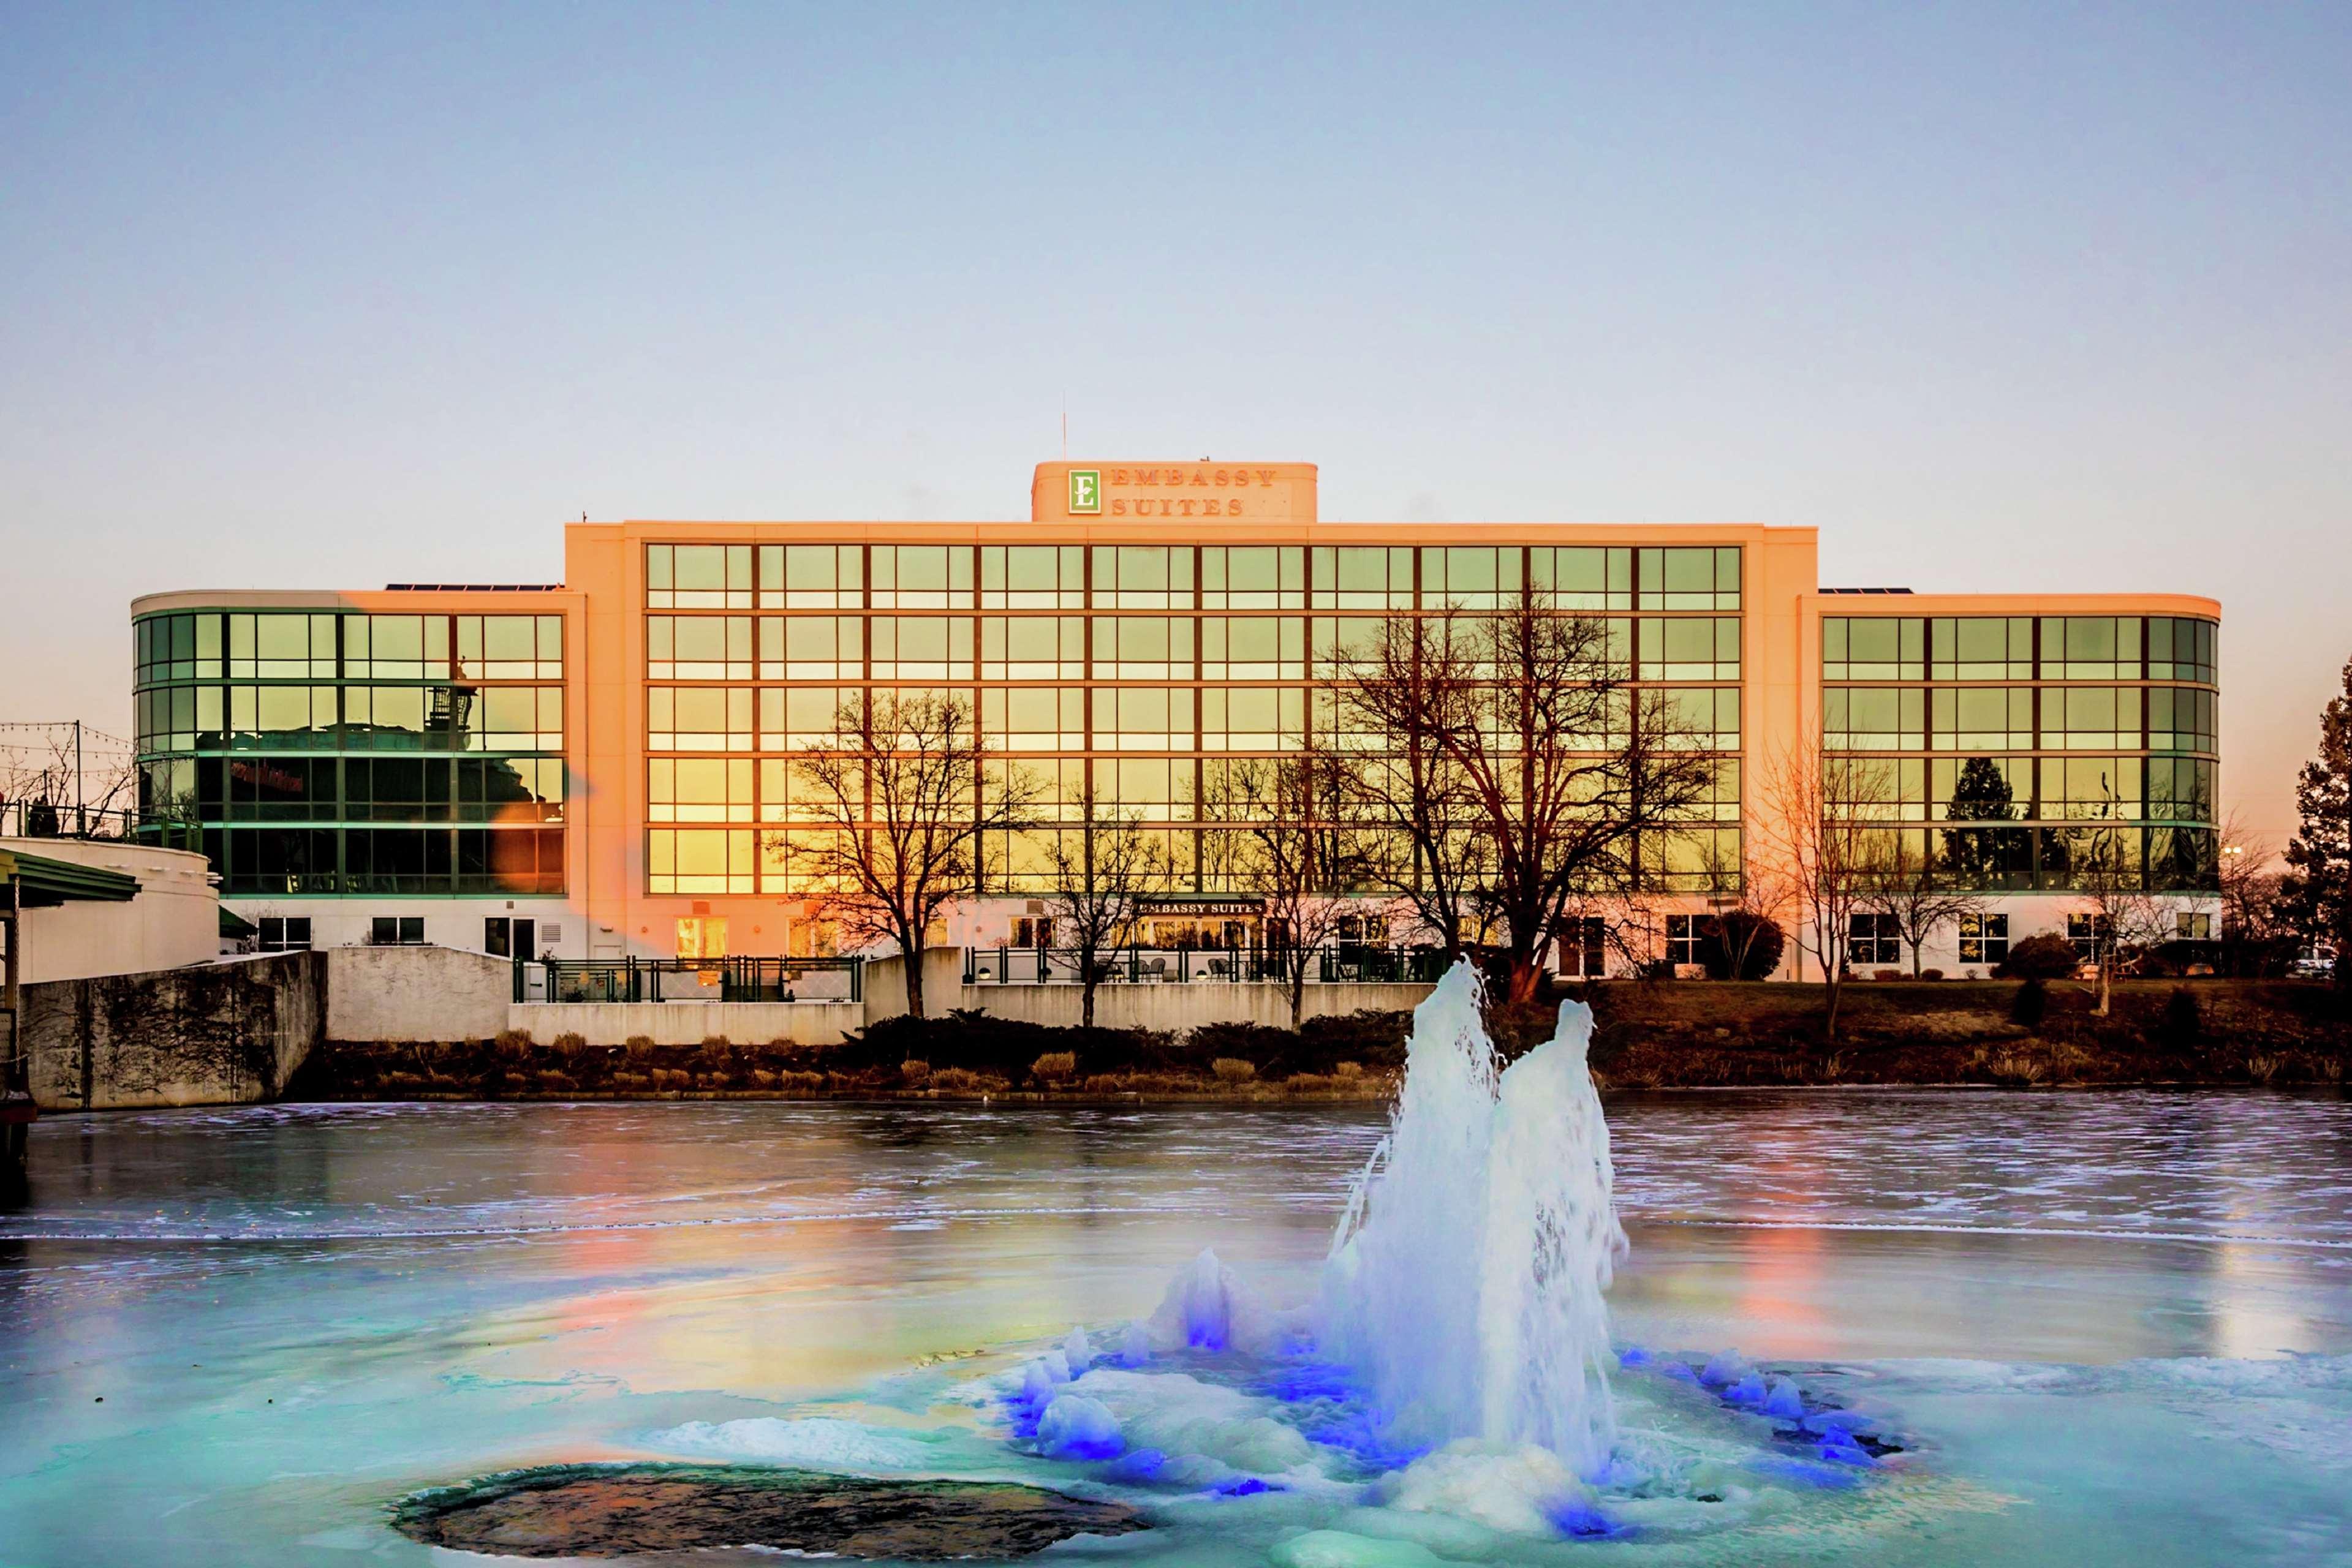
45, 883
232, 924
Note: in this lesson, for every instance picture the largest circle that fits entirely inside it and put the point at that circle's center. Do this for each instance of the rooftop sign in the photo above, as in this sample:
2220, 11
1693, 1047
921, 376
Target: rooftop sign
1088, 492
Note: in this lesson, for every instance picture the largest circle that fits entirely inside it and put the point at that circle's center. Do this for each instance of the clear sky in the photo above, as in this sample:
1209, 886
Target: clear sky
2035, 297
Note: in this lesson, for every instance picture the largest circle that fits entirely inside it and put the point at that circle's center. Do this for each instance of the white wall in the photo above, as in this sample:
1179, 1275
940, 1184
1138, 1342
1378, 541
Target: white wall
174, 921
448, 922
688, 1023
416, 994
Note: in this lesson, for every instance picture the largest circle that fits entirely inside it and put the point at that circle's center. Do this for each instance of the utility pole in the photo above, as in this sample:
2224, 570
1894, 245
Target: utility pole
81, 821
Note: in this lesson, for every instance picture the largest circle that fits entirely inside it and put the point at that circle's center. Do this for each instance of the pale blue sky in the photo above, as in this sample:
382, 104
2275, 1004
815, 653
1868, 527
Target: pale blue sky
2000, 298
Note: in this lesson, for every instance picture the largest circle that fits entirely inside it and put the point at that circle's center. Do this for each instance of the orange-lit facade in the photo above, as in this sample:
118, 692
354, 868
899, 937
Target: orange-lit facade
608, 759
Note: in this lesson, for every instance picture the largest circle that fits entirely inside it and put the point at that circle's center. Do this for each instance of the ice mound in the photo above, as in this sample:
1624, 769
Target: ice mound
1182, 1418
1517, 1491
1208, 1307
814, 1442
1077, 1427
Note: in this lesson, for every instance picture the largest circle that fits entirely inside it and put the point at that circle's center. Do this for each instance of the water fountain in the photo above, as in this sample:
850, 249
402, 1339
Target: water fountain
1466, 1277
1449, 1387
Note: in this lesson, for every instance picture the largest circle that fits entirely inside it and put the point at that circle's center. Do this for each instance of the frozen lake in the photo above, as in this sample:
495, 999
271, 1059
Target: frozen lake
2114, 1328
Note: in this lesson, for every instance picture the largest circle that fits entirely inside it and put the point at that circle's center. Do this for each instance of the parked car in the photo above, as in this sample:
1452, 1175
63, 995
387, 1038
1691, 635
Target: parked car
2319, 964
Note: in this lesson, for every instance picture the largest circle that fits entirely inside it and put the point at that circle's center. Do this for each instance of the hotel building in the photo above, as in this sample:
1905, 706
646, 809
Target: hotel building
603, 767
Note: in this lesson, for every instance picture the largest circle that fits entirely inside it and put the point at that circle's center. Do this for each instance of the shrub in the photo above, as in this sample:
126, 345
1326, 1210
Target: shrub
716, 1041
513, 1041
570, 1042
1348, 1069
2182, 1025
1055, 1066
2031, 1001
1765, 942
955, 1080
1931, 974
1887, 974
1233, 1070
638, 1044
914, 1072
2262, 1069
2048, 956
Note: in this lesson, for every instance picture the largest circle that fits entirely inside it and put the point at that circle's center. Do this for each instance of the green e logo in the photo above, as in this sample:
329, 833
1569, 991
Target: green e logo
1086, 489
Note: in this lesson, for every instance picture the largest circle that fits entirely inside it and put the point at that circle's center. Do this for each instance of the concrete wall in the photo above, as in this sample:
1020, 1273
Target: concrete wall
886, 984
687, 1024
1173, 1009
416, 994
215, 1034
175, 920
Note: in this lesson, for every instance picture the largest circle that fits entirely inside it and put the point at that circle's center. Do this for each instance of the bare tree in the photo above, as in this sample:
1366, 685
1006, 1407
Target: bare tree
1756, 890
1819, 840
1907, 886
1548, 760
893, 811
1280, 837
1397, 699
1104, 866
2110, 887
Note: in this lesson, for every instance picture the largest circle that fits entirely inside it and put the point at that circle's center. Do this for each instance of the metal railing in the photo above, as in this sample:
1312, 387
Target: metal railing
1341, 963
730, 979
64, 819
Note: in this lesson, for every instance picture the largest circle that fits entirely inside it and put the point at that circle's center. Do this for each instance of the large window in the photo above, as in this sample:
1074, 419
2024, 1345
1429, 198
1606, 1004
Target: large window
1984, 939
699, 647
1981, 718
1033, 577
1874, 718
1981, 648
1873, 648
1873, 941
698, 577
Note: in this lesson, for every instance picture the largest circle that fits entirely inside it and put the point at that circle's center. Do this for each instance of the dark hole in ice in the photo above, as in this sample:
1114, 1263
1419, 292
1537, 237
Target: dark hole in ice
605, 1511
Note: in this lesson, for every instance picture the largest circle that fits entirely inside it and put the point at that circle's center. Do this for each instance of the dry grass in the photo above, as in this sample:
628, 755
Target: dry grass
914, 1072
1233, 1070
962, 1081
513, 1041
1350, 1071
2260, 1067
570, 1042
2017, 1069
1054, 1067
638, 1044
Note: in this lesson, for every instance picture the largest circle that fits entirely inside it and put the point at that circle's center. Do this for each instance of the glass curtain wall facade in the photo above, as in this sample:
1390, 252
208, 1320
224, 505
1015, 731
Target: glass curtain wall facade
620, 749
2012, 752
332, 752
1142, 671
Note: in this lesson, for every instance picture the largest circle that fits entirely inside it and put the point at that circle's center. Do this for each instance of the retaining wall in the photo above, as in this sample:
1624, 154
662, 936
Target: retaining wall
1174, 1008
225, 1033
684, 1024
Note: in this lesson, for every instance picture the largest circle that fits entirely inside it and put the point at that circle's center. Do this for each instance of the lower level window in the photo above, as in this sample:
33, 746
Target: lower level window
2194, 927
1685, 934
1872, 940
285, 934
397, 931
1984, 938
2087, 932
